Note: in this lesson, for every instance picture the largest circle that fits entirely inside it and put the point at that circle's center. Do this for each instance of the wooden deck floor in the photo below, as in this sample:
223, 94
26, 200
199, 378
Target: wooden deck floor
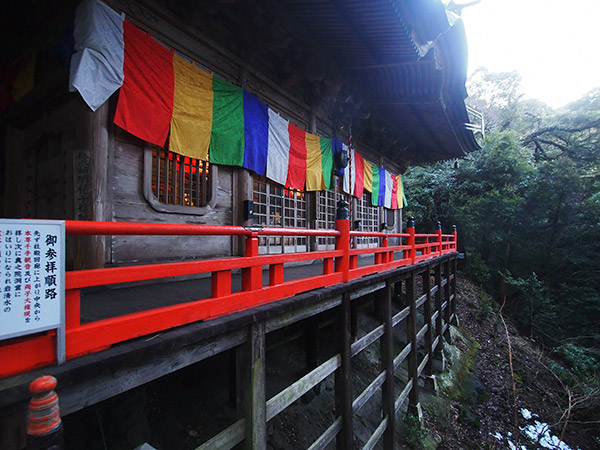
103, 303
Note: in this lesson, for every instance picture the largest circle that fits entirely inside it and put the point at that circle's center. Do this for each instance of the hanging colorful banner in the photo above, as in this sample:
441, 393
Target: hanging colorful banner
278, 153
394, 199
375, 185
327, 162
314, 169
145, 105
388, 190
297, 162
208, 118
97, 63
349, 176
359, 173
256, 134
192, 110
227, 133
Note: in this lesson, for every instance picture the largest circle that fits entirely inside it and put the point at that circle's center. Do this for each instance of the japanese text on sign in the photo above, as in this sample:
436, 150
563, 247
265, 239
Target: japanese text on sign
31, 276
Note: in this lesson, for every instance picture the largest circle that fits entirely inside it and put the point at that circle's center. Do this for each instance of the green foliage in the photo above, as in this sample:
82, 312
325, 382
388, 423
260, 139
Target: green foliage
578, 359
413, 432
527, 208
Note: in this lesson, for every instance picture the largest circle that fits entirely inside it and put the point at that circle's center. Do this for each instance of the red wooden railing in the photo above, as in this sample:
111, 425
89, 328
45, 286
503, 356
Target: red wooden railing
339, 265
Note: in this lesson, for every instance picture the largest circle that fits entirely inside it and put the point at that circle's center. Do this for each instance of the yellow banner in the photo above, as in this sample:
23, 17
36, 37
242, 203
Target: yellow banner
192, 110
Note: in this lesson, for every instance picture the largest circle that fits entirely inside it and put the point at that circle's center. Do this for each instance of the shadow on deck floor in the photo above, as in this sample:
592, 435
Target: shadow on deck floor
112, 301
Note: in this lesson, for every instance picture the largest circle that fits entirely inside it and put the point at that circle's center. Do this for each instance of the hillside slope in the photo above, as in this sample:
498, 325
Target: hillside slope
476, 408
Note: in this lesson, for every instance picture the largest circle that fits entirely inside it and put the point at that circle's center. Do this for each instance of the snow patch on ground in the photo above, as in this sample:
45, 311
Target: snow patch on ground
539, 434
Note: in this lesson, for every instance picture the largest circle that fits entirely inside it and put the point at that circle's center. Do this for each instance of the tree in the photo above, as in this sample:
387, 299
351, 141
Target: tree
527, 206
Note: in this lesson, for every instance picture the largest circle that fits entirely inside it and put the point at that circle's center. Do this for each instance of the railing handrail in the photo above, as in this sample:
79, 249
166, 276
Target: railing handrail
91, 228
339, 266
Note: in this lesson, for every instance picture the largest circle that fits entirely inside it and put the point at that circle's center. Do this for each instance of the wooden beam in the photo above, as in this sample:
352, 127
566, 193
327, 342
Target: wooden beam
293, 392
400, 316
331, 432
405, 392
383, 426
366, 340
369, 391
110, 383
226, 439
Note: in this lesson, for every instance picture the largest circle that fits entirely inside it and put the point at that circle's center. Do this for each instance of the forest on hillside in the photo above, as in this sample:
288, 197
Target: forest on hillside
527, 208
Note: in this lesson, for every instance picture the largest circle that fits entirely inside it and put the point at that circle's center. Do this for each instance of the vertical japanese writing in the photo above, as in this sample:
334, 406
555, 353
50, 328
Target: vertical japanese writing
37, 266
31, 276
7, 261
50, 269
18, 270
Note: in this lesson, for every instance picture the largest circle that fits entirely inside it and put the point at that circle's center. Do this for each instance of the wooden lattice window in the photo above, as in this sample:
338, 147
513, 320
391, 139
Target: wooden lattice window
179, 180
326, 212
176, 183
279, 206
368, 217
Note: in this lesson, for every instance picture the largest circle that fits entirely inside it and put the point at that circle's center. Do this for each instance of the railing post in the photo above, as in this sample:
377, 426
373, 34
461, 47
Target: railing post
384, 256
342, 242
72, 308
439, 237
454, 238
44, 427
410, 229
251, 276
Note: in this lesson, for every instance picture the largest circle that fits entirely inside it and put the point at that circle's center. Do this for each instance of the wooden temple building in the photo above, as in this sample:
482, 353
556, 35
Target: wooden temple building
230, 172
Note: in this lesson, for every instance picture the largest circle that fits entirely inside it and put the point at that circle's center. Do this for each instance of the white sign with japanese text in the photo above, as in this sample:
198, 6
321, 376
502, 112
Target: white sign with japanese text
32, 276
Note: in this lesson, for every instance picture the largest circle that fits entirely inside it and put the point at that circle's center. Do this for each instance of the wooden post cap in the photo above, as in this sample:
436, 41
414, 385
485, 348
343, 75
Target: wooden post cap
43, 415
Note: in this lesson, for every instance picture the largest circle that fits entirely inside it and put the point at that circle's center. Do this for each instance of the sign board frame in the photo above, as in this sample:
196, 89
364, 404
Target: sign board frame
59, 226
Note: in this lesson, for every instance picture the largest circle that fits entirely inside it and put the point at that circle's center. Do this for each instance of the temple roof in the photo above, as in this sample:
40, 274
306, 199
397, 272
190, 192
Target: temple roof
409, 60
393, 69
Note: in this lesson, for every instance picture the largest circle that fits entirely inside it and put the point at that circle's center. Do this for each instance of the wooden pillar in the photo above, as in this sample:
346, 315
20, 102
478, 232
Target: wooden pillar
453, 292
398, 294
353, 320
447, 298
413, 397
387, 364
427, 316
343, 376
311, 335
232, 377
438, 308
254, 389
243, 185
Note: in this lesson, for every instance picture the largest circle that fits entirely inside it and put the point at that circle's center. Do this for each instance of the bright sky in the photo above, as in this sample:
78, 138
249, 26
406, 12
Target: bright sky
554, 45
